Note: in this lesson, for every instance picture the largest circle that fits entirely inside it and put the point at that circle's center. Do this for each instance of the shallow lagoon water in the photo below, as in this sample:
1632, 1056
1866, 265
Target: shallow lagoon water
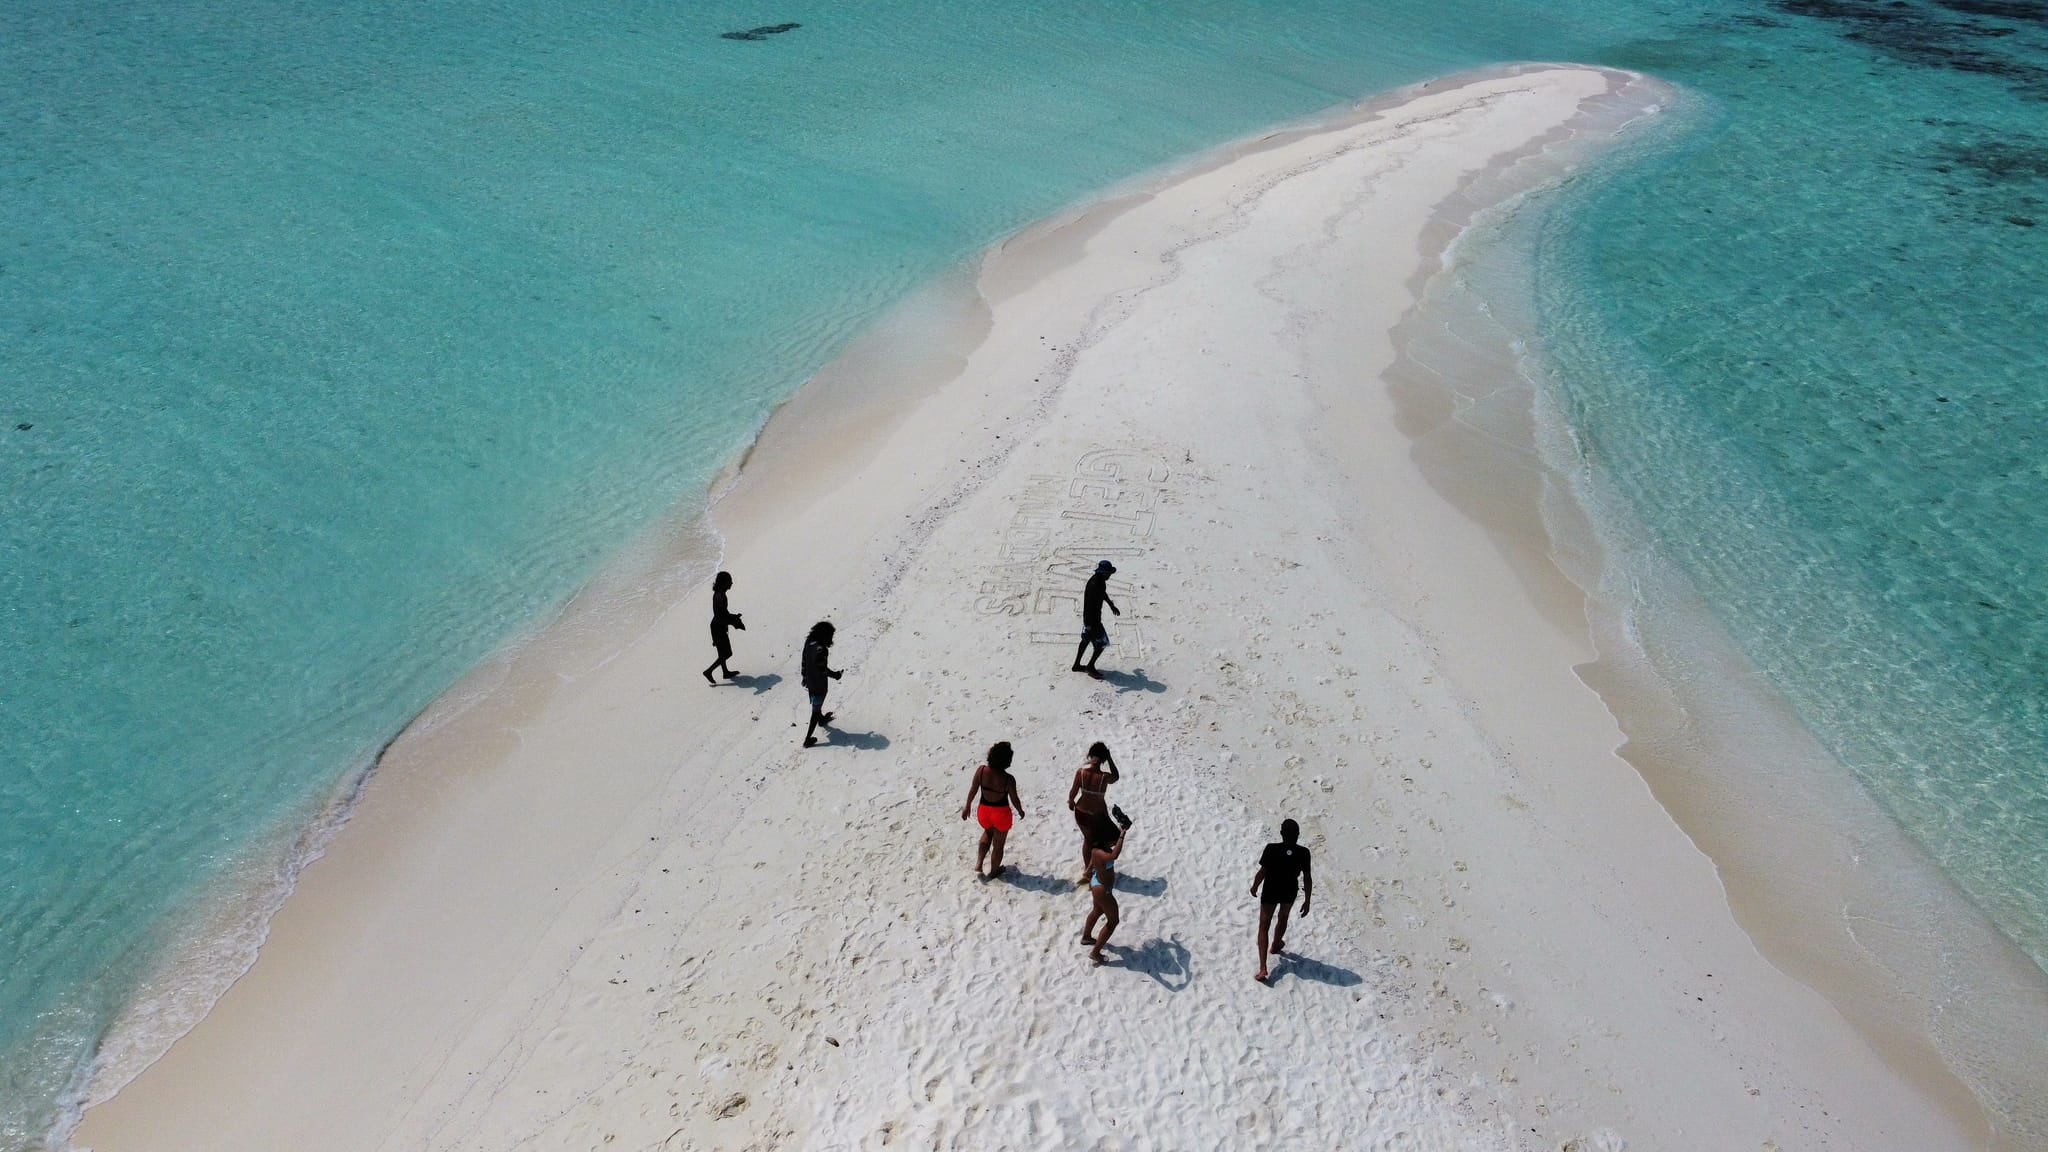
339, 344
1823, 383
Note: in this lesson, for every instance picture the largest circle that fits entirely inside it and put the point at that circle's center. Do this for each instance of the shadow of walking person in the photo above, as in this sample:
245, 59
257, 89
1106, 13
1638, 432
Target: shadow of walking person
1303, 968
865, 741
1034, 883
1133, 681
756, 684
1139, 886
1166, 961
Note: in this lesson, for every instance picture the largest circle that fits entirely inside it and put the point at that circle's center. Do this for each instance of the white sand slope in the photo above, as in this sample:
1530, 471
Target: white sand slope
600, 905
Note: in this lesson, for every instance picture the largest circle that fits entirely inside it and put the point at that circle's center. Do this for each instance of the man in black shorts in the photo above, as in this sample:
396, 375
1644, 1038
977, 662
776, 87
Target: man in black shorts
1093, 597
1279, 867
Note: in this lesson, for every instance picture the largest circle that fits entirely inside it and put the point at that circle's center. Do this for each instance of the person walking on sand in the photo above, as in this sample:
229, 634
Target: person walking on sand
815, 675
1102, 889
1093, 597
1279, 866
721, 619
998, 791
1088, 799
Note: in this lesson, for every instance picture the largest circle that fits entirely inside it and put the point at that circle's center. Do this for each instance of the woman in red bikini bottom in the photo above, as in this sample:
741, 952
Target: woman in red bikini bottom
998, 791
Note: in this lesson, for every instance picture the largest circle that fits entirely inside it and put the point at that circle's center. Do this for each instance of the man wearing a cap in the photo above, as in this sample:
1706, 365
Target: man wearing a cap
1092, 631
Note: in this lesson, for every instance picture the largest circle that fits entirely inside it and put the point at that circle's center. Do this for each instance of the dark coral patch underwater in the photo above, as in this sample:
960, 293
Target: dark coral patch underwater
1931, 38
761, 33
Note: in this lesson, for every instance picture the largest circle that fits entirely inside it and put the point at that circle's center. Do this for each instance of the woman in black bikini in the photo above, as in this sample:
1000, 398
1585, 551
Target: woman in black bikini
1089, 800
998, 791
816, 674
722, 619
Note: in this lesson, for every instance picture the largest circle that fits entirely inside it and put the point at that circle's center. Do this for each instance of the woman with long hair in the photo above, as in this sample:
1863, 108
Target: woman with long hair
1089, 800
1101, 880
722, 619
816, 675
998, 791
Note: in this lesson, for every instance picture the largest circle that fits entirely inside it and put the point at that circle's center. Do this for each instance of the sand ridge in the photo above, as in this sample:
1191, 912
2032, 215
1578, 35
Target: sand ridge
641, 916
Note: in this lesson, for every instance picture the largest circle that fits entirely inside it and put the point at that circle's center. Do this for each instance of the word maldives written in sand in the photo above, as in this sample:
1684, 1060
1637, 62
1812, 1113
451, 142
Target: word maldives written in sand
1106, 509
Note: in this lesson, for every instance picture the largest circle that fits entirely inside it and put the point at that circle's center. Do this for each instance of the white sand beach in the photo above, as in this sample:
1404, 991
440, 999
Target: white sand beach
590, 902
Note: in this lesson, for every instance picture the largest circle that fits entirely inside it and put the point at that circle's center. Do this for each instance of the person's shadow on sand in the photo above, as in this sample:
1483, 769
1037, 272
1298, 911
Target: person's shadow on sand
756, 684
1166, 961
1133, 681
865, 741
1127, 884
1303, 968
1031, 883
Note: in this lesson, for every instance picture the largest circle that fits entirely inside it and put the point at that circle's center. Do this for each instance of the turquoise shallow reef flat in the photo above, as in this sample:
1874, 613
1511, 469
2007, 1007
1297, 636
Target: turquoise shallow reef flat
1817, 366
340, 343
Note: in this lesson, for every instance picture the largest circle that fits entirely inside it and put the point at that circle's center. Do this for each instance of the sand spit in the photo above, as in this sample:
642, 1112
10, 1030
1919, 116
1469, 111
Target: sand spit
604, 905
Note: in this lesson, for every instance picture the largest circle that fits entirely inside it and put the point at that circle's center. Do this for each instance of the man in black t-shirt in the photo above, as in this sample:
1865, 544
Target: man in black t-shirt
1280, 866
1093, 596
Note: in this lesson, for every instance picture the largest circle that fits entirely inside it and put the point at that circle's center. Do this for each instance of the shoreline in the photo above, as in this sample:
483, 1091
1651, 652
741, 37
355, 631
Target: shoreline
1851, 906
450, 767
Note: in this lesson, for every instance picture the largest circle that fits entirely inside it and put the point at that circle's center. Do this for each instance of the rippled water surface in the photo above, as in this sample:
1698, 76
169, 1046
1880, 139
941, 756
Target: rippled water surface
1811, 344
338, 342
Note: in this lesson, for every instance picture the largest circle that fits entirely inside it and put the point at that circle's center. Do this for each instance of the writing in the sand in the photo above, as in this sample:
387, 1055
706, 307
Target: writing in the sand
1105, 509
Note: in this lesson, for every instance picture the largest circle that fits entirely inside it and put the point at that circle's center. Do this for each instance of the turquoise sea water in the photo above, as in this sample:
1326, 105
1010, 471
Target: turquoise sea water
1816, 364
339, 342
